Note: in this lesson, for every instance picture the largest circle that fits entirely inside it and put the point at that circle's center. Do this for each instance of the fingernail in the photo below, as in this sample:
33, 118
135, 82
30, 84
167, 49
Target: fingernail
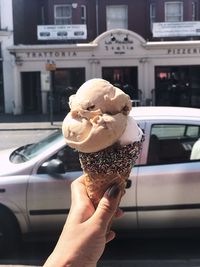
113, 191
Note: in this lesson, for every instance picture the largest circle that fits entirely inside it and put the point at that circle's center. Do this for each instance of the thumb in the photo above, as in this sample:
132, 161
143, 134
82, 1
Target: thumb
108, 206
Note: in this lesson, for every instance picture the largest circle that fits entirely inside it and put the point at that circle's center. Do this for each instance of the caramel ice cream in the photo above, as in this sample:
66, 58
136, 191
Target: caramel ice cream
107, 138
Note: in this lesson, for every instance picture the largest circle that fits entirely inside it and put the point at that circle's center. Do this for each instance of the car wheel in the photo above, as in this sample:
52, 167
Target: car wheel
9, 232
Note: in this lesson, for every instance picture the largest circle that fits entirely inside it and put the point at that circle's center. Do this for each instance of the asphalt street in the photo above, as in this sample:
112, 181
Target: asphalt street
125, 252
18, 138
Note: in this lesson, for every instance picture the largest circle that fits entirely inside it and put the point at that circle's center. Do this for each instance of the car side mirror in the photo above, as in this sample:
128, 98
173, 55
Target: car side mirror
128, 184
52, 167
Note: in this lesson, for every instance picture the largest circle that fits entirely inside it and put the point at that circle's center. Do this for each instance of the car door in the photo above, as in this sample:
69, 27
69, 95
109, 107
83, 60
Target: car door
129, 201
48, 195
168, 186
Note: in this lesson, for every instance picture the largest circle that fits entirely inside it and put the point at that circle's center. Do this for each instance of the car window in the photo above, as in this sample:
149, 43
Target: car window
173, 143
28, 152
70, 158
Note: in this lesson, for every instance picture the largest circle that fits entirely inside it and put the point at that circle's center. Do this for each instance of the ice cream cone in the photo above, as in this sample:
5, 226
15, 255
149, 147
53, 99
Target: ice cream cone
108, 139
107, 167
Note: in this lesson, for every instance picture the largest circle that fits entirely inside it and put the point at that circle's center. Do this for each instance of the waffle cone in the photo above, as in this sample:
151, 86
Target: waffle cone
107, 167
96, 185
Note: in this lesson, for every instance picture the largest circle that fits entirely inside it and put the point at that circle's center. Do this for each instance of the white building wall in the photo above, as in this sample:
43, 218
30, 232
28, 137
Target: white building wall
6, 15
6, 39
102, 52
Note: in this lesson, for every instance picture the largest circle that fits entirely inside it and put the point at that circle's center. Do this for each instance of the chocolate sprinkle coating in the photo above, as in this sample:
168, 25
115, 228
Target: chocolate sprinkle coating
114, 159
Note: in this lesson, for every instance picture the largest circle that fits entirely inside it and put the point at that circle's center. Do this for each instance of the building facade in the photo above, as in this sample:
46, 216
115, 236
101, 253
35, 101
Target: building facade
120, 45
6, 61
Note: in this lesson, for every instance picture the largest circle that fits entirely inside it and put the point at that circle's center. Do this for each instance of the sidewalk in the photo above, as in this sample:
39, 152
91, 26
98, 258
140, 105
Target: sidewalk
29, 122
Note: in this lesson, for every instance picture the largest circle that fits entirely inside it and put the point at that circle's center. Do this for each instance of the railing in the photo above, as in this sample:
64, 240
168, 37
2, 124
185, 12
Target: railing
183, 97
136, 102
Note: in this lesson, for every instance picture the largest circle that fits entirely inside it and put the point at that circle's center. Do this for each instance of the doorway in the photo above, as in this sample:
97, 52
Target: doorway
31, 92
1, 89
65, 83
125, 78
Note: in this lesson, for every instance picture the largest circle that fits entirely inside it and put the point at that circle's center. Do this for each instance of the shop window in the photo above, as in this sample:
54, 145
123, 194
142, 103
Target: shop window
152, 14
173, 11
173, 143
63, 14
177, 86
117, 17
125, 78
83, 14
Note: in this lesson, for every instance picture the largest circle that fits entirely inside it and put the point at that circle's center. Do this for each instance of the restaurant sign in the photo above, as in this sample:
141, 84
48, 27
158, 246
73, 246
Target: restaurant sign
62, 32
50, 54
119, 43
183, 51
176, 29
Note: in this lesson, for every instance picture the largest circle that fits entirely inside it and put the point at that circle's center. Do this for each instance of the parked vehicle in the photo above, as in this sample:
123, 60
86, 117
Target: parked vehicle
163, 190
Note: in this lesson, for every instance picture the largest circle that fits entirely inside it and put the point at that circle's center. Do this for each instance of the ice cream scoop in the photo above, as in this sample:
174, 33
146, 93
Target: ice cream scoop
98, 96
132, 132
98, 116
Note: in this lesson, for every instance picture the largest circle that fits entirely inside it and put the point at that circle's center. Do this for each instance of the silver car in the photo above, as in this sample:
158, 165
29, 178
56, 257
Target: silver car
163, 191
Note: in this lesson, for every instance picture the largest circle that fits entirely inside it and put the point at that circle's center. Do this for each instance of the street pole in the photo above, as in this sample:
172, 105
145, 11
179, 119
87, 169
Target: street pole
51, 97
51, 67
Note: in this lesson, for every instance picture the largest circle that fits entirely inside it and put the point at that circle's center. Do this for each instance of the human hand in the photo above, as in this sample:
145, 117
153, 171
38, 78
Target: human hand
86, 230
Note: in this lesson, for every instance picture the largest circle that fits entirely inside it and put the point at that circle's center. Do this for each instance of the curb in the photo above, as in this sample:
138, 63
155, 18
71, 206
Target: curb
29, 126
29, 129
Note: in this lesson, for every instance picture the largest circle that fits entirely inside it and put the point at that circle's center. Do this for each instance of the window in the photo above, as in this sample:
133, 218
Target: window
62, 14
173, 143
117, 17
152, 14
0, 13
83, 14
70, 159
173, 11
1, 83
42, 15
194, 11
28, 152
177, 86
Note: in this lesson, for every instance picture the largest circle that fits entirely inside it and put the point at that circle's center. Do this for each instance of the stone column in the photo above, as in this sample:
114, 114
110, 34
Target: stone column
45, 88
17, 103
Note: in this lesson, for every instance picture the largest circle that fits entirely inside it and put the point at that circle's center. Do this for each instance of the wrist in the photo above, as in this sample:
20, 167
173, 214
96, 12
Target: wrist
78, 264
54, 261
70, 264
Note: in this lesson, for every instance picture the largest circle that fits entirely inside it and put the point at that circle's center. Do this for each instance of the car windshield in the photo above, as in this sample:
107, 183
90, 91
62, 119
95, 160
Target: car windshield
30, 151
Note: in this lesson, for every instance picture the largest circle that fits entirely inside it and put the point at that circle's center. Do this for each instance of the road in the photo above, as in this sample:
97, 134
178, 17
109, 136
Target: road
21, 137
122, 252
126, 252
